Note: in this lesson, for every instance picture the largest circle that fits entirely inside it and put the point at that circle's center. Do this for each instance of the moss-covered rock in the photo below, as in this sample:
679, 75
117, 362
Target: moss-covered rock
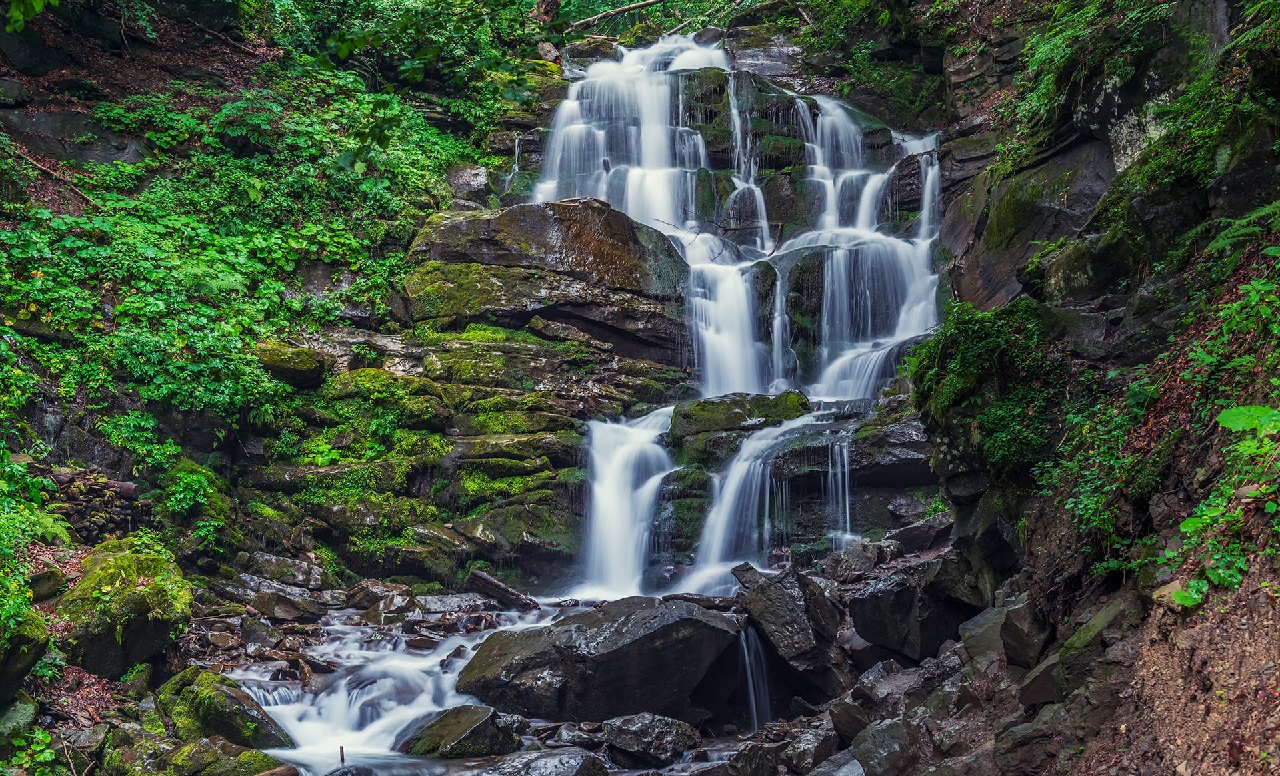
126, 608
201, 703
736, 412
464, 731
135, 752
20, 650
299, 367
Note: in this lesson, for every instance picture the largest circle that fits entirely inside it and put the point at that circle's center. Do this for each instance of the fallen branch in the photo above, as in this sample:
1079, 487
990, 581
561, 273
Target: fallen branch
484, 584
56, 175
582, 24
225, 39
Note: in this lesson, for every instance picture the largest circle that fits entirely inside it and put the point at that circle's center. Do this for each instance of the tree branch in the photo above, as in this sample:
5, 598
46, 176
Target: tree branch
582, 24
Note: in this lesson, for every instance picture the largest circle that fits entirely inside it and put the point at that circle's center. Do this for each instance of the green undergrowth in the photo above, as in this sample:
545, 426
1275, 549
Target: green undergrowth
994, 366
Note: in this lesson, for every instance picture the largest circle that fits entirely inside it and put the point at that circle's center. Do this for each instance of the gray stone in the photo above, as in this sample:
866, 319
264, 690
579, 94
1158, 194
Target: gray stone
368, 592
886, 748
808, 748
841, 764
289, 571
980, 643
628, 656
1030, 748
646, 739
794, 615
1023, 635
556, 762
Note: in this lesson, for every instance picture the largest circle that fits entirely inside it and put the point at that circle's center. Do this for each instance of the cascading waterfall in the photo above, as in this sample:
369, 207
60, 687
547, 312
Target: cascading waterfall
839, 492
626, 469
879, 289
620, 136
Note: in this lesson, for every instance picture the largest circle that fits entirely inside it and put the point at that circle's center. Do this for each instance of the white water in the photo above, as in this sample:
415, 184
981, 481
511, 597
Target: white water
621, 135
757, 679
382, 690
626, 469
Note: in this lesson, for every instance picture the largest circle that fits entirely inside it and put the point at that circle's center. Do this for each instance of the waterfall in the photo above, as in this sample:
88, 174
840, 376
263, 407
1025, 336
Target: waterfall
620, 136
879, 288
733, 530
627, 464
839, 493
757, 678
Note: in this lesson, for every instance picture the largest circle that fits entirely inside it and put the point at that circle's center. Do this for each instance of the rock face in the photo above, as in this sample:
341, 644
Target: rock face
578, 266
633, 655
465, 731
125, 609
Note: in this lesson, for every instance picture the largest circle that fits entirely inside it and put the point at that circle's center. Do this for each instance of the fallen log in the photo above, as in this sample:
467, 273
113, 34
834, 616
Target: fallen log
486, 585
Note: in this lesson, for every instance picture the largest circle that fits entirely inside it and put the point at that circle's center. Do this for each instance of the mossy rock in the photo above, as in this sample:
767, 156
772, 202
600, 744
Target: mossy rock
126, 609
299, 367
17, 715
20, 650
150, 754
465, 731
736, 412
201, 703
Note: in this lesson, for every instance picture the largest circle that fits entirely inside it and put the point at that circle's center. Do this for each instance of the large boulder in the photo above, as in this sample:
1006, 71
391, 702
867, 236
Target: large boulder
794, 615
464, 731
570, 761
628, 656
649, 740
125, 609
583, 238
201, 704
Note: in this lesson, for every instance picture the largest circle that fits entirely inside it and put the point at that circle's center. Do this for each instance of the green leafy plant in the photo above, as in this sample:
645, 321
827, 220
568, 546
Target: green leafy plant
137, 432
34, 755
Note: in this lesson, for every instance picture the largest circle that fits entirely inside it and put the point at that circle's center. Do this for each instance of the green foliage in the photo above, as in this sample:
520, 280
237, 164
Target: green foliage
23, 11
22, 521
693, 14
34, 755
189, 257
136, 432
994, 365
1215, 534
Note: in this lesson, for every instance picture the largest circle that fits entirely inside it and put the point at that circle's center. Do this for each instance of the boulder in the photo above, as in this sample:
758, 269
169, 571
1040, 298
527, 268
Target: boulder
17, 715
464, 731
568, 761
368, 592
1030, 749
648, 740
1038, 686
628, 656
20, 649
886, 748
288, 571
299, 367
808, 748
794, 615
201, 704
125, 609
277, 606
1022, 633
46, 584
841, 764
980, 642
582, 238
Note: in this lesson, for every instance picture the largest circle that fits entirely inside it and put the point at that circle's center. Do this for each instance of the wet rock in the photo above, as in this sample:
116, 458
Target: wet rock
124, 609
46, 584
368, 592
29, 54
795, 616
202, 703
886, 748
468, 181
556, 762
647, 739
980, 642
1086, 647
71, 136
736, 412
465, 731
25, 644
627, 656
289, 571
808, 748
17, 715
584, 238
276, 606
848, 718
841, 764
255, 631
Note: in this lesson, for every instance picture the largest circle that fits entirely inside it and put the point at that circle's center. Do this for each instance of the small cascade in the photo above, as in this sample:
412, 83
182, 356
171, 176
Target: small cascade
733, 531
627, 464
620, 136
839, 495
366, 707
756, 679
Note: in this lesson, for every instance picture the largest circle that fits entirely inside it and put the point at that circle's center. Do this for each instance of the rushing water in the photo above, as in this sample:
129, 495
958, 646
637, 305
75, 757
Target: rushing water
362, 710
627, 467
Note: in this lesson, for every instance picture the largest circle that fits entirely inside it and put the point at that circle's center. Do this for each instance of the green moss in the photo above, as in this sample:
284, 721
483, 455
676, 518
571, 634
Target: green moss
736, 411
124, 609
1012, 212
201, 703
